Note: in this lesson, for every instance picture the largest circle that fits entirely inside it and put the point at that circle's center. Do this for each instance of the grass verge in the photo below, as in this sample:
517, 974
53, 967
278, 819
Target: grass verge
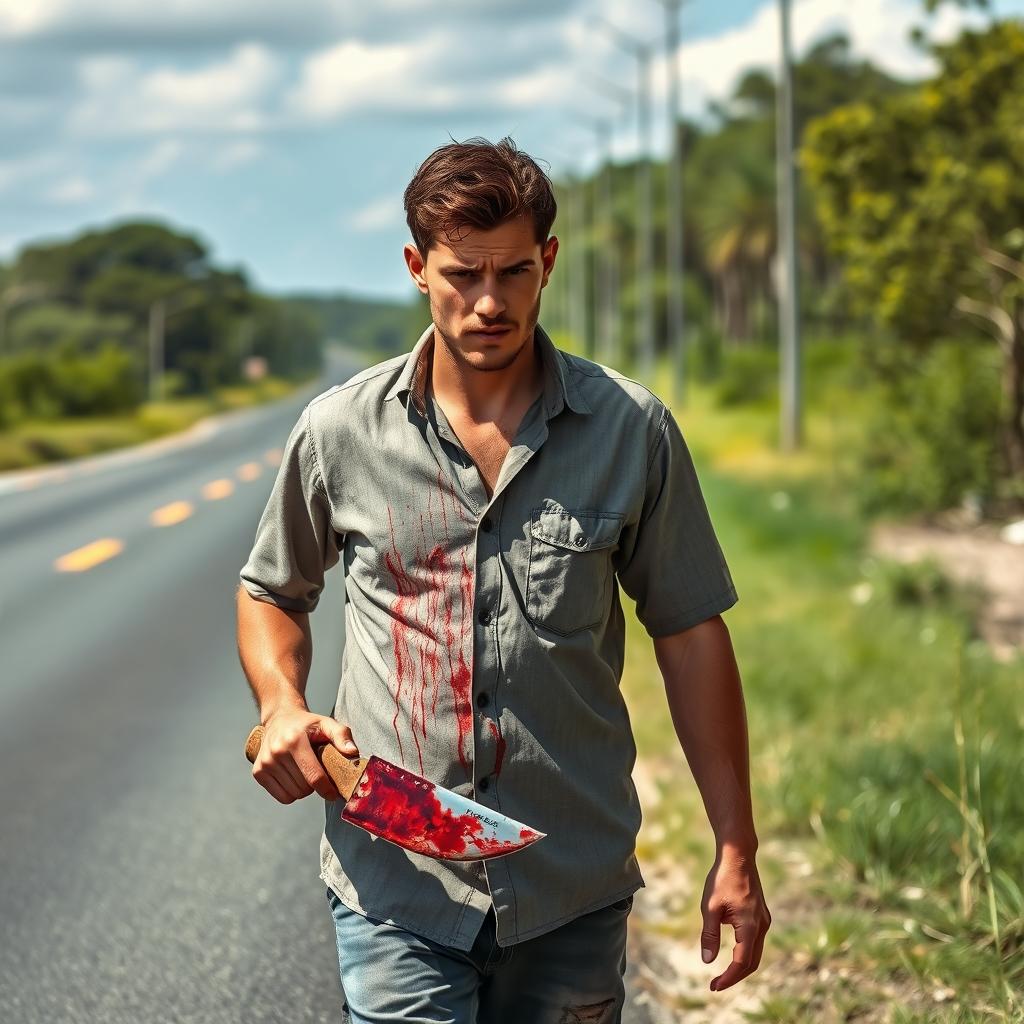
38, 442
885, 744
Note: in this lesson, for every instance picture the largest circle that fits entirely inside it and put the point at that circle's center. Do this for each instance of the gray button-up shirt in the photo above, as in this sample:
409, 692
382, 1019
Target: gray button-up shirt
484, 637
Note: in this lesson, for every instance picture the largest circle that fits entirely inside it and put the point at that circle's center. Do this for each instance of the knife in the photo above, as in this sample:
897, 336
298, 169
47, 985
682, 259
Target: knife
413, 812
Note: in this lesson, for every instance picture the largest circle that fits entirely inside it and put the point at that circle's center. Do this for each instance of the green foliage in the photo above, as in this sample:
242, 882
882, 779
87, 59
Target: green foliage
931, 434
69, 383
43, 326
852, 675
145, 246
384, 327
748, 375
729, 212
78, 315
909, 190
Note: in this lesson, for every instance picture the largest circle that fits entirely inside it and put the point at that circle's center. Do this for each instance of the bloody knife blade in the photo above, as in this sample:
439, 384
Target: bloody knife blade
413, 812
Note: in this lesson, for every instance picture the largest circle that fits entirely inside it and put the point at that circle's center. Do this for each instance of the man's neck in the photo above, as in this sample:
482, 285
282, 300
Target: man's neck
486, 396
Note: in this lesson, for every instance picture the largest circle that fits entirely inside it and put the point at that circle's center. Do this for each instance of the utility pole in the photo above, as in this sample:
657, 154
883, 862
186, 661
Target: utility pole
604, 312
577, 311
612, 347
676, 235
642, 52
159, 311
157, 320
786, 260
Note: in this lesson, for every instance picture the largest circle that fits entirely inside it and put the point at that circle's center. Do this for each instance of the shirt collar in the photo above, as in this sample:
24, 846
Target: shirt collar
559, 385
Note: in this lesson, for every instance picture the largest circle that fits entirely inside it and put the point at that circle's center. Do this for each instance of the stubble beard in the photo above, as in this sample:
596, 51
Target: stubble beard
460, 357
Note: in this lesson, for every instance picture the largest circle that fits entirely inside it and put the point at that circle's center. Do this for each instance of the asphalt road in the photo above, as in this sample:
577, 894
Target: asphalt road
145, 876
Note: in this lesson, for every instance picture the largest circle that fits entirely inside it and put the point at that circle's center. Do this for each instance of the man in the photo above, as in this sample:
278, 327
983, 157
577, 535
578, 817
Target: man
486, 494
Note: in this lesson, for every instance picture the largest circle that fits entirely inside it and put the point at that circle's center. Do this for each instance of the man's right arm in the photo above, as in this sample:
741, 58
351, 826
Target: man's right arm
275, 647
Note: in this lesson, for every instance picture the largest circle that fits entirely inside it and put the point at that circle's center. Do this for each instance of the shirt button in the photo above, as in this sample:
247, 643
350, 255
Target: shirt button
482, 700
483, 785
486, 525
484, 616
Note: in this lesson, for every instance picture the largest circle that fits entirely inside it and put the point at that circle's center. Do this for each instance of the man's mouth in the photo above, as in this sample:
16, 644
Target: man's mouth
491, 331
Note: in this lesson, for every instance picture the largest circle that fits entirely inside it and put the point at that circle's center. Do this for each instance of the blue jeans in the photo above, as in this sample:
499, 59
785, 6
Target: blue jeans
572, 975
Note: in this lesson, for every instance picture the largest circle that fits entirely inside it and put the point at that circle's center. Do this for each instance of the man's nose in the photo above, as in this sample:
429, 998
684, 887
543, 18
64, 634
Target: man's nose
489, 302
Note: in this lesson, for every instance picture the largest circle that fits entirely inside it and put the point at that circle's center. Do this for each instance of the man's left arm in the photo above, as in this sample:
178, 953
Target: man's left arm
705, 698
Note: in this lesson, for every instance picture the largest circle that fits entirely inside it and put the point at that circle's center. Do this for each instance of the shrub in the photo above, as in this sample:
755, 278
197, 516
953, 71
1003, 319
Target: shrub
931, 434
748, 375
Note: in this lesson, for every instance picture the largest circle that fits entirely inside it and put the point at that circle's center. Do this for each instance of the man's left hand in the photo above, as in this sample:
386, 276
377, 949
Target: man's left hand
732, 894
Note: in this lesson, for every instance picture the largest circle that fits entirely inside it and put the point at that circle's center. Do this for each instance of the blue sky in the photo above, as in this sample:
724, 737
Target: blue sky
285, 134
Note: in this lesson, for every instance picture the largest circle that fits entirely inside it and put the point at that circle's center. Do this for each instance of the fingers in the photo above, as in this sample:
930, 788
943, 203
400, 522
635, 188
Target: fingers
327, 730
272, 787
755, 960
740, 967
746, 955
288, 767
711, 936
278, 774
312, 771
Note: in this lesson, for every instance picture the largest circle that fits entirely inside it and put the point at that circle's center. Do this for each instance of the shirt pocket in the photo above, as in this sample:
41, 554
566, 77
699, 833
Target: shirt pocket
570, 576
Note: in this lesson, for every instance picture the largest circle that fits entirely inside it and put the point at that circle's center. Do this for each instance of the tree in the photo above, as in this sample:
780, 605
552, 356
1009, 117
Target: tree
922, 196
730, 178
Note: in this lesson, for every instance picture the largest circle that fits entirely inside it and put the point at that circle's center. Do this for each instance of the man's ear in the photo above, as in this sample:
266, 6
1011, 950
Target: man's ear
547, 258
416, 266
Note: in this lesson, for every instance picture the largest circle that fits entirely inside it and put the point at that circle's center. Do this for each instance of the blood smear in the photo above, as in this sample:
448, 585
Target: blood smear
432, 622
404, 809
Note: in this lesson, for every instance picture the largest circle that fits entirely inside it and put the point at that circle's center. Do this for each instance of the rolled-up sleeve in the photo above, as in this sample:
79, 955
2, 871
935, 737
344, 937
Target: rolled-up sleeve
669, 561
295, 541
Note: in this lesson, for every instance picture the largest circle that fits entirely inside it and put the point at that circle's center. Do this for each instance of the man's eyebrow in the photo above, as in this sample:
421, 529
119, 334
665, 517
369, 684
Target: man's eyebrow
528, 262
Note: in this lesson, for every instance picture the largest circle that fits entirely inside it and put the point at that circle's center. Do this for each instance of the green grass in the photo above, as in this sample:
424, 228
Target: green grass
885, 741
37, 442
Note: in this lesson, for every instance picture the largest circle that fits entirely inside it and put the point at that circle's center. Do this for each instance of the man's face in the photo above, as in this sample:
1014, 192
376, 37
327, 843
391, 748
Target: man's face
489, 280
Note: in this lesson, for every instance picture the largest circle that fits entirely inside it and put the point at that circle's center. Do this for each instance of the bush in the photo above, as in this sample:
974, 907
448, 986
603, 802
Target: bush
748, 375
69, 382
931, 436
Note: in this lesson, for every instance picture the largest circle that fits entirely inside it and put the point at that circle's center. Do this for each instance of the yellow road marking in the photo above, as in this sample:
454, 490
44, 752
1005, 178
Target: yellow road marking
218, 489
86, 557
250, 471
272, 456
170, 514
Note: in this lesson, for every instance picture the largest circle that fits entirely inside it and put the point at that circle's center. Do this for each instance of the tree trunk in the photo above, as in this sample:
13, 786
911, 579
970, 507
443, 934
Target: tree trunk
1013, 391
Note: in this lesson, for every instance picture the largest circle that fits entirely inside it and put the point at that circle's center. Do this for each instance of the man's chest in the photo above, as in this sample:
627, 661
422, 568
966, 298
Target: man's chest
487, 447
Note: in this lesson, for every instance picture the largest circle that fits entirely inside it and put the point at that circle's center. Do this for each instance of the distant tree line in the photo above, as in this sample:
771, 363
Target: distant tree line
75, 323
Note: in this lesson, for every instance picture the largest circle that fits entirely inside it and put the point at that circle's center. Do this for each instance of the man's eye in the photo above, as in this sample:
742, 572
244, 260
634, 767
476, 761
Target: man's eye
516, 270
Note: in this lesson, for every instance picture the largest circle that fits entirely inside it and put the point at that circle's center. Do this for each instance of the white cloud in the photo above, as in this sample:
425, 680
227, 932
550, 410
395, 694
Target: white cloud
357, 76
71, 190
102, 24
226, 96
26, 17
385, 212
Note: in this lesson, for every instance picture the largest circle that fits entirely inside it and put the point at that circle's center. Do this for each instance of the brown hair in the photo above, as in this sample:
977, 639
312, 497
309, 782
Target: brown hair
478, 184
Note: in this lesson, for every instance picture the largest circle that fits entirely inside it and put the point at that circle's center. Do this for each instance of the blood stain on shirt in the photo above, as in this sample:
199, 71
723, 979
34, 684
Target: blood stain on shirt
423, 619
500, 741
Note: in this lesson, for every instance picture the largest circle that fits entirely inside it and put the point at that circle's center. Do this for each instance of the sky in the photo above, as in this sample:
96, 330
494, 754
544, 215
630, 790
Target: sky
283, 135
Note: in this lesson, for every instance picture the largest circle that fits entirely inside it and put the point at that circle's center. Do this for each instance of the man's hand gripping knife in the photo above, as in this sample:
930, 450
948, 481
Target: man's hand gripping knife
275, 647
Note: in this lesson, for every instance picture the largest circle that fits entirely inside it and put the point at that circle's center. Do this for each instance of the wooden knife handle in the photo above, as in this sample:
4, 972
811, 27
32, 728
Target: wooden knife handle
345, 772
